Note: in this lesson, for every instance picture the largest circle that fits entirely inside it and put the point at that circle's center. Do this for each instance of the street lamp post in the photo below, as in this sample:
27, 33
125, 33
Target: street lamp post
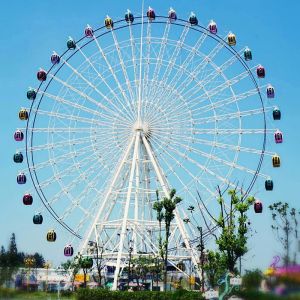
29, 263
97, 250
47, 265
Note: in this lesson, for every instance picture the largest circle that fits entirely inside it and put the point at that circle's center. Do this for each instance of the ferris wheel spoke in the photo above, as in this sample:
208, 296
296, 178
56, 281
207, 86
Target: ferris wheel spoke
83, 176
170, 101
79, 163
89, 211
128, 103
220, 69
223, 102
78, 106
181, 71
169, 105
174, 56
117, 46
220, 160
92, 86
48, 146
62, 129
61, 158
199, 68
182, 166
233, 131
160, 56
85, 96
233, 115
187, 189
206, 60
106, 84
146, 68
134, 58
230, 82
70, 117
216, 144
205, 169
68, 188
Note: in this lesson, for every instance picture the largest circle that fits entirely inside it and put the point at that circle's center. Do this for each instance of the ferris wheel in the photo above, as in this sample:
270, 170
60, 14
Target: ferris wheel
139, 105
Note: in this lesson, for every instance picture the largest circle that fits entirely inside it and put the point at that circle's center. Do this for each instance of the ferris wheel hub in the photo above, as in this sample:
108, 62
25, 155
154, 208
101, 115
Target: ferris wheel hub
143, 127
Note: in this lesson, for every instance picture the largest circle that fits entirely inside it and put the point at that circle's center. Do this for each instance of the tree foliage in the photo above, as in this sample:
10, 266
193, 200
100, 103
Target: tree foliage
214, 267
252, 279
233, 222
165, 210
285, 227
11, 260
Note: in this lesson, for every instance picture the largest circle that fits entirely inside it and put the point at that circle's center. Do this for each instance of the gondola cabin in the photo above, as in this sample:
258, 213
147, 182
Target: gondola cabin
31, 94
88, 31
193, 19
269, 185
37, 219
18, 136
51, 236
108, 22
270, 91
68, 250
27, 199
212, 27
276, 161
129, 18
18, 157
278, 137
258, 207
276, 113
231, 39
247, 54
151, 14
55, 58
21, 178
260, 71
71, 44
23, 114
172, 15
41, 75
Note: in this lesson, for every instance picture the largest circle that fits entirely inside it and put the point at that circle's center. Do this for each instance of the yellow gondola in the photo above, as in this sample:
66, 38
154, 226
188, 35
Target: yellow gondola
231, 39
276, 161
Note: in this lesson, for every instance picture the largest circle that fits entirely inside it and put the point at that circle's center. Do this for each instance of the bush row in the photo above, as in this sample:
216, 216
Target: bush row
102, 294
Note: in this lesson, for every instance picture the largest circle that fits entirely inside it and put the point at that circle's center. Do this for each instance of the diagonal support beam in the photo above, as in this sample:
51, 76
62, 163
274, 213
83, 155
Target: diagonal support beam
164, 184
126, 209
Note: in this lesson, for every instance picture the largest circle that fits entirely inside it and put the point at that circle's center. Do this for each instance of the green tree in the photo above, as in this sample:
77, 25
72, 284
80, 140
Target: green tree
233, 222
3, 266
165, 211
214, 267
13, 262
39, 260
72, 267
285, 227
86, 263
252, 279
141, 267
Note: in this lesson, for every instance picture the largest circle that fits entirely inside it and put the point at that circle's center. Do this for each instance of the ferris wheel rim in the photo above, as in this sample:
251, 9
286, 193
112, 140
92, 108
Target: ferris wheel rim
197, 28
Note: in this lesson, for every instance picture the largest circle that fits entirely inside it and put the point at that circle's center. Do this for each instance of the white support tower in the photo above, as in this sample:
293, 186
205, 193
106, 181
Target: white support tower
126, 215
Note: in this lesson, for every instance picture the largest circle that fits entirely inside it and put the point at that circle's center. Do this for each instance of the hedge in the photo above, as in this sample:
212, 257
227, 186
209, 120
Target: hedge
103, 294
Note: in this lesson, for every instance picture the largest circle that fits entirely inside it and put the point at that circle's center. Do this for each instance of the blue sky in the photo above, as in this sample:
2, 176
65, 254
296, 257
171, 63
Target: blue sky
31, 30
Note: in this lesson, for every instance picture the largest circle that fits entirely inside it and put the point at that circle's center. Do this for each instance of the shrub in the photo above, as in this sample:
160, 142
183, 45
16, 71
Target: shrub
102, 294
252, 279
